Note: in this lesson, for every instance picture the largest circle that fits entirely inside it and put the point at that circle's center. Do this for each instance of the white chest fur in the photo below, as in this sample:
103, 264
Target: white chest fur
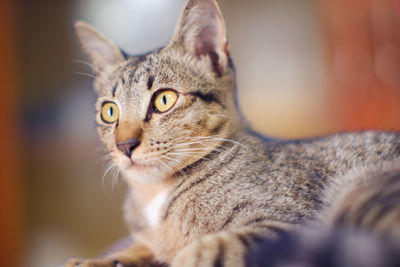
153, 209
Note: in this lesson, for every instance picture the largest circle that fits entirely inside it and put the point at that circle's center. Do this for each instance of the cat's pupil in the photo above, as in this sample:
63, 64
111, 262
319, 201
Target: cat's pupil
164, 99
110, 111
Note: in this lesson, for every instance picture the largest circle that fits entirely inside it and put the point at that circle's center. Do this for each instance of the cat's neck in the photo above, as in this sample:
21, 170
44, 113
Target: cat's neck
146, 192
229, 147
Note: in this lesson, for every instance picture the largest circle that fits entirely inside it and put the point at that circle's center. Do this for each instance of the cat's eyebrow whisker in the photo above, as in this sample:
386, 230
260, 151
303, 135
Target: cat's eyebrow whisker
90, 65
107, 82
104, 62
94, 77
103, 75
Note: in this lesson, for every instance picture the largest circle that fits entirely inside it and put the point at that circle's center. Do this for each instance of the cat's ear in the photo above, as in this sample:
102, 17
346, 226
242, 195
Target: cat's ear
201, 31
101, 51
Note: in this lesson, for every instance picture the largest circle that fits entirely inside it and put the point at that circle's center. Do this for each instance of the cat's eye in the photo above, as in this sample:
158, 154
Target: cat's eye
109, 112
165, 100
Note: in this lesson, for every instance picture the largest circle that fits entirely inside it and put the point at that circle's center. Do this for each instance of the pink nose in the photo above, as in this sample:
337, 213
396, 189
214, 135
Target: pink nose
128, 146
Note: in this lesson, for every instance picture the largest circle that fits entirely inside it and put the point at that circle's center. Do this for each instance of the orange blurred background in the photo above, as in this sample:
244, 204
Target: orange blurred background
305, 68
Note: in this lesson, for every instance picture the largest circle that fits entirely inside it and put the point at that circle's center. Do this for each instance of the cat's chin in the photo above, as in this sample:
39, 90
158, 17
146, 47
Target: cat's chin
144, 173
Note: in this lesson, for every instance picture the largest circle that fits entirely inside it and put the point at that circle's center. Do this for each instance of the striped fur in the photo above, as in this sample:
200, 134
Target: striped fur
223, 187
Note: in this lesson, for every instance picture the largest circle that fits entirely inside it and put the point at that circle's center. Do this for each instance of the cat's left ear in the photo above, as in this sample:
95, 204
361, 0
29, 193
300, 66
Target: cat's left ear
102, 52
201, 31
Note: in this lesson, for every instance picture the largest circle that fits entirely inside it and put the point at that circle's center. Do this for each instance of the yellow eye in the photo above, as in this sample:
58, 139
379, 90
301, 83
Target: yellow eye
165, 100
109, 112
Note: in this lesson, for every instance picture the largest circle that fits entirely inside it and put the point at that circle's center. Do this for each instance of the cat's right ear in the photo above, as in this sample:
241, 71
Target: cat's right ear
201, 32
101, 51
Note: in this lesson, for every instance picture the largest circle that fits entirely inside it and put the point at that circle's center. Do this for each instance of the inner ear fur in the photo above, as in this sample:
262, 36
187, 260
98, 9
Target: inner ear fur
101, 51
201, 32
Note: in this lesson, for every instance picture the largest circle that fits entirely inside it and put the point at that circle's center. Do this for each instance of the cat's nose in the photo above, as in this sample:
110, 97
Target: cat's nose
128, 146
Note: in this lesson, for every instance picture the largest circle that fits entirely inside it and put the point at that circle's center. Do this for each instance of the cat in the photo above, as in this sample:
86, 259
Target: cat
203, 185
344, 239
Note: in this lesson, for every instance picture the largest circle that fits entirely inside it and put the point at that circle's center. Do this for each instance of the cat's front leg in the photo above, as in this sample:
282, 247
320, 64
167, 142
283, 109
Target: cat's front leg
223, 249
135, 255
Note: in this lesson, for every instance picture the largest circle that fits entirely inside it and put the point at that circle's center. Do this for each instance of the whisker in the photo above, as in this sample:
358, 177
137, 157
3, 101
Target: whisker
93, 67
186, 154
109, 168
164, 164
217, 138
190, 143
173, 164
115, 177
203, 143
94, 77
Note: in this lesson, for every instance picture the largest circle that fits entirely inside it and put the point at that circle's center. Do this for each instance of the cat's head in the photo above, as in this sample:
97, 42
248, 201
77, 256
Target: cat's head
160, 112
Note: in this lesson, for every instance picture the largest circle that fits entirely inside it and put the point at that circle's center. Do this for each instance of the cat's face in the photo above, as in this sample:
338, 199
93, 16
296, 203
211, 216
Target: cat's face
163, 111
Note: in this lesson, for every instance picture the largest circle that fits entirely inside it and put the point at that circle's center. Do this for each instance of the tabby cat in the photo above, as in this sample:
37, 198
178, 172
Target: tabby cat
203, 185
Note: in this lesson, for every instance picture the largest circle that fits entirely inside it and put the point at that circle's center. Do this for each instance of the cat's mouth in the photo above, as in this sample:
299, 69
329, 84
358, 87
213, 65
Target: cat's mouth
136, 163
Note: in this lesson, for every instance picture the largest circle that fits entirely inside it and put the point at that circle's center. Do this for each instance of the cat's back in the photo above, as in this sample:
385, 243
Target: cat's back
289, 175
334, 153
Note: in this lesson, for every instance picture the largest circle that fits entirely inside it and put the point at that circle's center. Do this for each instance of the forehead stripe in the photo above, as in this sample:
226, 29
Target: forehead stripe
114, 90
150, 82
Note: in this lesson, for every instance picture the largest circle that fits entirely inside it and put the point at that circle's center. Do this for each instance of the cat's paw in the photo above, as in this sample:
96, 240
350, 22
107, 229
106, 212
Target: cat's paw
97, 263
222, 249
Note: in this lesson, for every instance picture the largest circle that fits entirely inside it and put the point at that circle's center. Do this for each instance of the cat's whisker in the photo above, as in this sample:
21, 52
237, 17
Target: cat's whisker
189, 143
211, 142
104, 62
217, 138
94, 77
187, 154
109, 168
88, 64
174, 165
202, 149
205, 150
115, 177
94, 68
164, 164
220, 148
203, 143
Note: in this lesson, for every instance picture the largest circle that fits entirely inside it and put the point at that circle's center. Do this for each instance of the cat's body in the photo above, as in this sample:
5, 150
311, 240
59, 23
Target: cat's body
204, 186
271, 184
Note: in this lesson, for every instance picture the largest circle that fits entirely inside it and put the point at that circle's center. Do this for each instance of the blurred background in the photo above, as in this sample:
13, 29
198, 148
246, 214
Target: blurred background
305, 68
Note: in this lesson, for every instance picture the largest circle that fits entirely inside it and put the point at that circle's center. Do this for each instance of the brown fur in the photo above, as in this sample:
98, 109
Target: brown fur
221, 186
